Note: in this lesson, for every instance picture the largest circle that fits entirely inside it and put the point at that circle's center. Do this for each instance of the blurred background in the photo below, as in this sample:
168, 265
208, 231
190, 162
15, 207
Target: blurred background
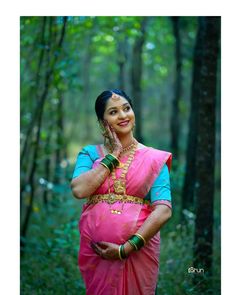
170, 67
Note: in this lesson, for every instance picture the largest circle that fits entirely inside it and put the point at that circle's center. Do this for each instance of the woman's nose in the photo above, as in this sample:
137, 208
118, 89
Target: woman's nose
122, 114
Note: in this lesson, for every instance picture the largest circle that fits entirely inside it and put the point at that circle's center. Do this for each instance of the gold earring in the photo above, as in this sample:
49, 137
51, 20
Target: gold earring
133, 127
103, 129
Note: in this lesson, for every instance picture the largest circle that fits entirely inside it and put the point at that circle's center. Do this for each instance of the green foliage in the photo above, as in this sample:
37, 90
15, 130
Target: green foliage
102, 36
49, 264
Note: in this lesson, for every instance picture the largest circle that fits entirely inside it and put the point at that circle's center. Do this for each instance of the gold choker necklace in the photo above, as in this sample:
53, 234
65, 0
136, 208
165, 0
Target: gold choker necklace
134, 142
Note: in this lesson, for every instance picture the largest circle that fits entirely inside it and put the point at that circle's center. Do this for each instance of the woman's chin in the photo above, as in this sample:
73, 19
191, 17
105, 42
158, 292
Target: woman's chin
123, 131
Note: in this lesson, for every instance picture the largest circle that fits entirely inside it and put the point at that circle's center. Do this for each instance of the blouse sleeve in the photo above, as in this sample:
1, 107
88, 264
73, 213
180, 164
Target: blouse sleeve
84, 161
160, 192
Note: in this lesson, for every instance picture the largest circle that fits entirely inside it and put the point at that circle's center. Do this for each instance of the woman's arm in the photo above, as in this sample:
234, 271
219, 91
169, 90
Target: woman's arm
87, 183
159, 216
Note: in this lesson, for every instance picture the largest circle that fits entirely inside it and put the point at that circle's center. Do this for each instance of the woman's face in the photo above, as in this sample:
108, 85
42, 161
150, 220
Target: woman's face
119, 114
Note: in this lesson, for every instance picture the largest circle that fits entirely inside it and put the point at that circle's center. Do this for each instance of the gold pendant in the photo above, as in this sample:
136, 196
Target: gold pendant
114, 211
119, 186
111, 199
121, 165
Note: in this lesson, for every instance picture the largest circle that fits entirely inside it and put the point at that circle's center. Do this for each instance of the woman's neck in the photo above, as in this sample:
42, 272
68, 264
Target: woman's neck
126, 139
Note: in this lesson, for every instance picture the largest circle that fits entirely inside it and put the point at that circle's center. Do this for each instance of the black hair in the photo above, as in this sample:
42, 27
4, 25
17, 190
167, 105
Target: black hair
102, 99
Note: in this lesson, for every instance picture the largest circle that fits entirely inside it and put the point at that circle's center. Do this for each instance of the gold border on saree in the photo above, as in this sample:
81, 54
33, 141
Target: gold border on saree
112, 198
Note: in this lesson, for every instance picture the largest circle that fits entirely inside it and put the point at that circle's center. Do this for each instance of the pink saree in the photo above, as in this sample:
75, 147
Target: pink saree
136, 275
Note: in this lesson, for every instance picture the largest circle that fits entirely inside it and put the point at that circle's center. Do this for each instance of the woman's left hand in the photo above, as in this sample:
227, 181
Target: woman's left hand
106, 250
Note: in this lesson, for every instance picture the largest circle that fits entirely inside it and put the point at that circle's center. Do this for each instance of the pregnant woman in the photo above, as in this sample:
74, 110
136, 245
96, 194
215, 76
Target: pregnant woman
127, 188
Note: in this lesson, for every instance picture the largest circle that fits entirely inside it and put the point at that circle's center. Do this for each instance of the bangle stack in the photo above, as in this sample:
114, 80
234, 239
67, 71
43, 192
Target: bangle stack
110, 162
137, 241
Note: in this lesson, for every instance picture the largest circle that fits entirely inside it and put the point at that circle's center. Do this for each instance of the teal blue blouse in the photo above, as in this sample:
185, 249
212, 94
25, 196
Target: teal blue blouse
160, 190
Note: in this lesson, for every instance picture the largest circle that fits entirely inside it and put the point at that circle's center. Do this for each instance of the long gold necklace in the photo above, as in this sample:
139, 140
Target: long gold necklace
119, 184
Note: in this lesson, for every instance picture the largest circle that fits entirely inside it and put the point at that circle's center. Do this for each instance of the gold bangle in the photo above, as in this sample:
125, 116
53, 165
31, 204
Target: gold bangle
138, 235
105, 166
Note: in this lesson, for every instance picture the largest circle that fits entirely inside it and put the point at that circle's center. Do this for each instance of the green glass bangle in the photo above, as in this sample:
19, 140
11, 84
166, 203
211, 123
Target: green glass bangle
113, 159
137, 241
133, 244
122, 252
107, 163
141, 237
114, 162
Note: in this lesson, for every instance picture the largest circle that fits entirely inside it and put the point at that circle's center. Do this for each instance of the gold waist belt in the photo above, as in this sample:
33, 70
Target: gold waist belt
112, 198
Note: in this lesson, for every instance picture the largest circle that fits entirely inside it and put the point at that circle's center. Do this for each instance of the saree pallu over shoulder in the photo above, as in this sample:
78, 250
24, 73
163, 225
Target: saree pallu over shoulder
145, 169
136, 275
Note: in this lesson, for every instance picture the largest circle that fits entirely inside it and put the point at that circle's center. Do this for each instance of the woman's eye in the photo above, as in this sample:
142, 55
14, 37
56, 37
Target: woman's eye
127, 108
112, 112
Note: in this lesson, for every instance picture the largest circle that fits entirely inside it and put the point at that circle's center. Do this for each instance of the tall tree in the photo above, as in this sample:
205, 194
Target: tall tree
175, 120
122, 58
37, 78
190, 169
136, 76
209, 35
41, 103
86, 70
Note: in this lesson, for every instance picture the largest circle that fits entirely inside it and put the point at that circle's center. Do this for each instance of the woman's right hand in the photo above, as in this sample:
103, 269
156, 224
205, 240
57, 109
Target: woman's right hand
114, 141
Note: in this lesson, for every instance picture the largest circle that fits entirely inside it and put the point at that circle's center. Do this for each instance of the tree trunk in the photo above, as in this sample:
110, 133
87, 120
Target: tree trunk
30, 181
122, 58
175, 121
37, 79
209, 30
136, 76
190, 170
37, 93
60, 146
86, 88
47, 166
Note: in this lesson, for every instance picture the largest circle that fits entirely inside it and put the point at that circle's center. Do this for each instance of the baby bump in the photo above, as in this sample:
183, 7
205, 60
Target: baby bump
99, 222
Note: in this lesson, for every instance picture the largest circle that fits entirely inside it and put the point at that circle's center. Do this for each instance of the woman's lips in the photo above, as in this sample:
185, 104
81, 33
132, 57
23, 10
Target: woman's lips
124, 123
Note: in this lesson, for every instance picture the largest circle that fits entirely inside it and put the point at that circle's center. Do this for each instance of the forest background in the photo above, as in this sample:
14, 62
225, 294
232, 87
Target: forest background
170, 66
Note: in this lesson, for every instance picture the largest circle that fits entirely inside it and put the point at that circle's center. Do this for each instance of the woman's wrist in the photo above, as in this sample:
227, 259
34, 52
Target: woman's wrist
128, 248
116, 153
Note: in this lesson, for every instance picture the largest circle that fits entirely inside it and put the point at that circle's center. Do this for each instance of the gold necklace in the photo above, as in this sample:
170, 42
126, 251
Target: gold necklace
119, 184
134, 142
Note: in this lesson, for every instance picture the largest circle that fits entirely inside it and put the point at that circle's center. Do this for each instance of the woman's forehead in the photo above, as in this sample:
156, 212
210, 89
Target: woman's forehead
115, 101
